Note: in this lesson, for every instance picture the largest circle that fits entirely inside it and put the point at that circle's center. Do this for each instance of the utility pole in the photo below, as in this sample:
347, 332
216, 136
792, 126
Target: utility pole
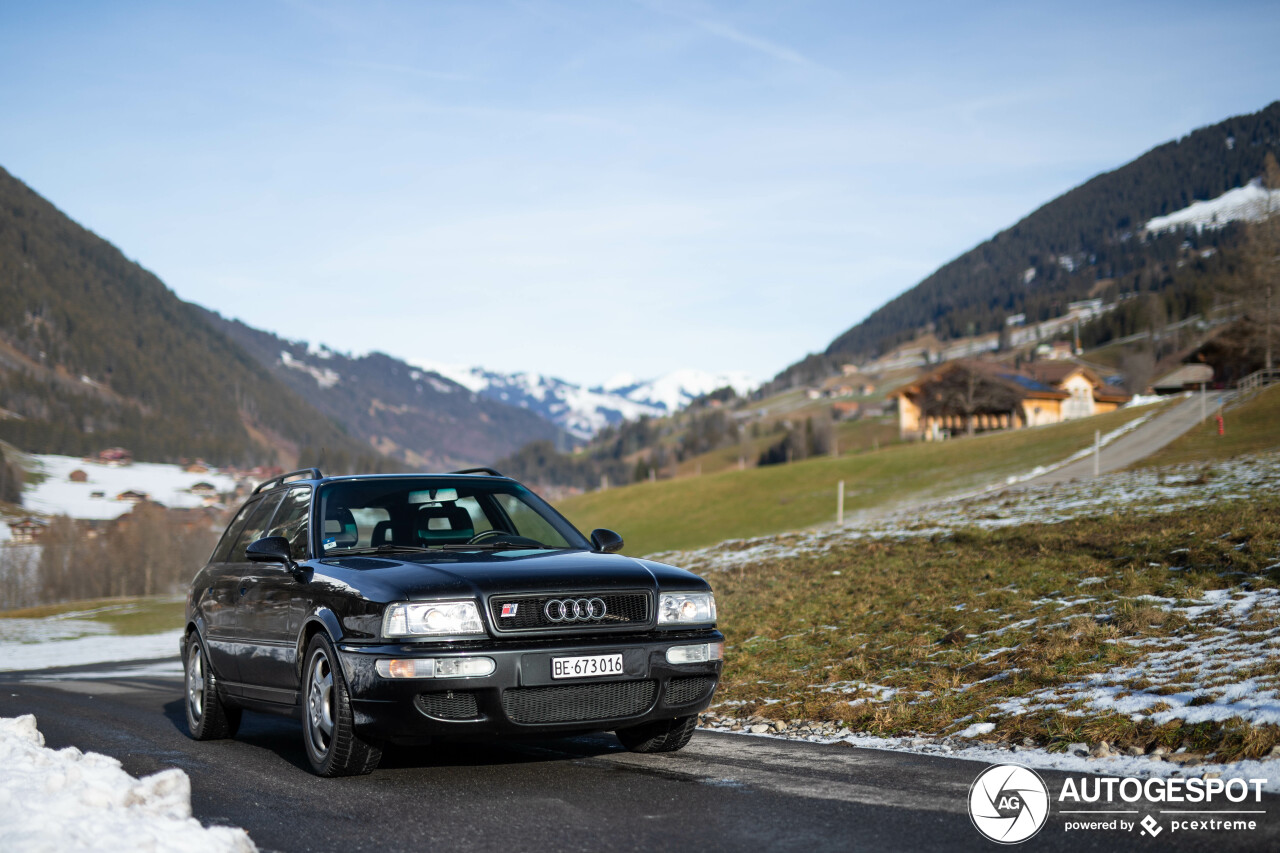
840, 503
1270, 363
1097, 451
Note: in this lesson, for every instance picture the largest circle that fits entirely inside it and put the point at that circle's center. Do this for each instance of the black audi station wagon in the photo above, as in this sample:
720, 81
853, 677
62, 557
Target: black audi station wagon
394, 609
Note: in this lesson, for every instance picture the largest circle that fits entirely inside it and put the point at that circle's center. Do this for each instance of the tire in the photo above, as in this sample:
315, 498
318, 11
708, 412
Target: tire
659, 736
208, 717
328, 730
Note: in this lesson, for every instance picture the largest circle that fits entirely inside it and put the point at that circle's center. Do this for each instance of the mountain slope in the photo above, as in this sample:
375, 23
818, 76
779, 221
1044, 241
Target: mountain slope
1065, 250
419, 417
95, 351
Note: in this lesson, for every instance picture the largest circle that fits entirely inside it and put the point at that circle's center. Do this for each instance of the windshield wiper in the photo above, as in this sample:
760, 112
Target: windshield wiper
380, 549
493, 546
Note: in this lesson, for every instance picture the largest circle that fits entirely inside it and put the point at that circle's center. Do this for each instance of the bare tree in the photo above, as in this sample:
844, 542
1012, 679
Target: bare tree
1259, 287
965, 391
1138, 367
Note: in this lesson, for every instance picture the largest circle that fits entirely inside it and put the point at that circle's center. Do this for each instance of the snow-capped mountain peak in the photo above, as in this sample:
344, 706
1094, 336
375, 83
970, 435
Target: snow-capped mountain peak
585, 411
677, 389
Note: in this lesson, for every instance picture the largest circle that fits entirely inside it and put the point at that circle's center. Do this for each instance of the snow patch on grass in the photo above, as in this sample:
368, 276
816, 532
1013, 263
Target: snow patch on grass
1150, 490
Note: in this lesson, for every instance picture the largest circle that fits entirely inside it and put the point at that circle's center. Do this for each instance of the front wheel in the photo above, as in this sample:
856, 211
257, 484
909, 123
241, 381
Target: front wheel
207, 717
659, 736
333, 747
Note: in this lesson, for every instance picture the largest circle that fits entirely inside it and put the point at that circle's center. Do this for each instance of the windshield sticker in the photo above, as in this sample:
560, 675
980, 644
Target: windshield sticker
329, 543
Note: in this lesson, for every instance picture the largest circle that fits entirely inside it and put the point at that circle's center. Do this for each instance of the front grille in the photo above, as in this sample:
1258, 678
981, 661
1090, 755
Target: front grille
682, 691
453, 705
622, 609
574, 702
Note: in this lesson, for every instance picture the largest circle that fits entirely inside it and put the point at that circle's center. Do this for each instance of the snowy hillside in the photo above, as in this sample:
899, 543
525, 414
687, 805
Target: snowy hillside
99, 495
585, 411
1250, 202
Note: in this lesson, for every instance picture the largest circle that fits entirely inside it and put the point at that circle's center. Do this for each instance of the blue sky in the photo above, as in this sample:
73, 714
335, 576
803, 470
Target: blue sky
588, 188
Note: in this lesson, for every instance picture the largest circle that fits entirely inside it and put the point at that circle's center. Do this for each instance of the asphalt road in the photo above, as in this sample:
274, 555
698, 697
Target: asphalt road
723, 792
1139, 444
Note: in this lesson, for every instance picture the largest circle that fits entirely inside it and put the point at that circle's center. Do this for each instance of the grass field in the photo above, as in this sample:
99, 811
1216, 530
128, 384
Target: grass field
124, 616
1130, 628
1251, 427
695, 511
851, 437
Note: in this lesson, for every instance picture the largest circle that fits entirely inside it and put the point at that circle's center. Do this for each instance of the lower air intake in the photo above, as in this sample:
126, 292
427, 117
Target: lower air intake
575, 702
683, 691
453, 705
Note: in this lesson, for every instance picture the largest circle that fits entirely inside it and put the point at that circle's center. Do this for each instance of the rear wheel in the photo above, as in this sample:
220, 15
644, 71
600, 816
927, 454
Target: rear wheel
333, 747
207, 717
659, 736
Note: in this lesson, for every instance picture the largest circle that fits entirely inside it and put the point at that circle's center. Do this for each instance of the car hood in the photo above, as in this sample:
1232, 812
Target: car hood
461, 573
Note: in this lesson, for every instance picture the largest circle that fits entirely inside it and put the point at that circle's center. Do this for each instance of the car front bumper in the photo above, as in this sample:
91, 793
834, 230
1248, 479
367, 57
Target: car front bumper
521, 696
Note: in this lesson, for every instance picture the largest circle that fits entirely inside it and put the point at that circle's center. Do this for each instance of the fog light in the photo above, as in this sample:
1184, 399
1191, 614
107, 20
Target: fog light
700, 653
476, 667
464, 667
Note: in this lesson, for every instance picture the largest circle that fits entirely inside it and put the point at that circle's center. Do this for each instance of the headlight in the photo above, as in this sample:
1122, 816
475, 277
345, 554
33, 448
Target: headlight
432, 619
686, 608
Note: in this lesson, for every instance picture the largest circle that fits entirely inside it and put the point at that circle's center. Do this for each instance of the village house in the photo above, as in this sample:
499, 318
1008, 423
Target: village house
1187, 377
845, 410
979, 396
27, 531
133, 497
115, 456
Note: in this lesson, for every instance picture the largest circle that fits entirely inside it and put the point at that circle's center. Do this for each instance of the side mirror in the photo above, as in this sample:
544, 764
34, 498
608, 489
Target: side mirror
271, 549
605, 541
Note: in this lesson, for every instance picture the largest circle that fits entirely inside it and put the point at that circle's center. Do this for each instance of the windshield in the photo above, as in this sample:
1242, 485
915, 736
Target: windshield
412, 513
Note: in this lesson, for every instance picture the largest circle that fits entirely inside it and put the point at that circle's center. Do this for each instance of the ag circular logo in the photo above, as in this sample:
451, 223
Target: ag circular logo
1008, 803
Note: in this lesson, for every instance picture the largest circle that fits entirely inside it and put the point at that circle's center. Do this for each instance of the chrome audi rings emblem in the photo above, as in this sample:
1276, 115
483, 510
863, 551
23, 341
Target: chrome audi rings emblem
574, 609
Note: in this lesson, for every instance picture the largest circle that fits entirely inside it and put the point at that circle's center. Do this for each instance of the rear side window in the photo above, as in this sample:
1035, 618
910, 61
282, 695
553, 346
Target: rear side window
255, 527
231, 534
291, 521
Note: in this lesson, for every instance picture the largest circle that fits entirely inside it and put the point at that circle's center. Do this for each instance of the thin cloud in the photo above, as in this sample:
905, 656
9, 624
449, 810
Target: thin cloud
721, 30
756, 43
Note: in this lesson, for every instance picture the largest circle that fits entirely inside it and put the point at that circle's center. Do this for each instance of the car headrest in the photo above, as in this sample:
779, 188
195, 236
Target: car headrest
381, 534
445, 523
340, 526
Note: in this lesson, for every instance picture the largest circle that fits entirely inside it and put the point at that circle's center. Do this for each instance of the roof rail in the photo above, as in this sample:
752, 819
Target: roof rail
489, 471
301, 473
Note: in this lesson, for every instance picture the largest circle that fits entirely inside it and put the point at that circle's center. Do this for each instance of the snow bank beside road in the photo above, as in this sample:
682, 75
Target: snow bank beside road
72, 800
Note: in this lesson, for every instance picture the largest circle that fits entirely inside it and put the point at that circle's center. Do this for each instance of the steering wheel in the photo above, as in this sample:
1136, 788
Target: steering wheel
494, 533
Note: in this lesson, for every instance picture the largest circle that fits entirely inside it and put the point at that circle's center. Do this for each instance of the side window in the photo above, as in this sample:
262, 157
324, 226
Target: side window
291, 521
529, 523
255, 527
231, 534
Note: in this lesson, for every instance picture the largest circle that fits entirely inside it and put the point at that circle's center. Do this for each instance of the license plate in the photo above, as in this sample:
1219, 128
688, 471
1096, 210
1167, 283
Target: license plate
585, 667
